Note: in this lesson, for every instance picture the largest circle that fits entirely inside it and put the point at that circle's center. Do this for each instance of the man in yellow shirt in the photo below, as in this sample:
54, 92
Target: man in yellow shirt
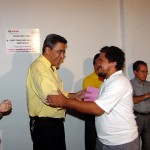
46, 123
94, 81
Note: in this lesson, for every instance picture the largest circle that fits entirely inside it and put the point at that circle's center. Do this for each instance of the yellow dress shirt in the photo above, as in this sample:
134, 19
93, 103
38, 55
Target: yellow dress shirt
91, 80
41, 81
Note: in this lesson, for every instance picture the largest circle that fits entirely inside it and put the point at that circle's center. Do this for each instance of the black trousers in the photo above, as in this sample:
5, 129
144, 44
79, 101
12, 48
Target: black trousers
90, 132
47, 133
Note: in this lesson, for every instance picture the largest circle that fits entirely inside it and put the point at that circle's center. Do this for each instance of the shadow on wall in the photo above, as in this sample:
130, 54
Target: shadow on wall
87, 69
130, 71
13, 87
67, 78
13, 82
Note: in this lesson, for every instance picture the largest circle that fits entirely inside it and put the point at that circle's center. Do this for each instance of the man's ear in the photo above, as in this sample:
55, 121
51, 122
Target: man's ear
135, 72
47, 50
113, 64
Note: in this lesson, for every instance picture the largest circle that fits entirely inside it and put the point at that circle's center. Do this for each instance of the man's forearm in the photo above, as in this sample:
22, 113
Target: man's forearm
84, 107
138, 99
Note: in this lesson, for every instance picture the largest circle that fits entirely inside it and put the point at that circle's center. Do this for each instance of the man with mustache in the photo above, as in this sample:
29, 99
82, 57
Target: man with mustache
92, 80
46, 122
115, 122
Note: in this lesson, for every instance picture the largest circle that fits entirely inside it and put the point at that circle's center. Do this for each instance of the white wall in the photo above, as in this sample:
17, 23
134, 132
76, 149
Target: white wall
88, 26
136, 32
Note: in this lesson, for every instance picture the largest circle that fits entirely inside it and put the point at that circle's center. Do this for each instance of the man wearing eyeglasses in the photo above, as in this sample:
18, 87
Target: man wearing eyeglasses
141, 98
46, 122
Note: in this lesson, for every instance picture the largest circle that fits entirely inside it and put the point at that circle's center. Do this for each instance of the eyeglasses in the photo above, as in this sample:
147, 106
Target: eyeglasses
142, 71
61, 52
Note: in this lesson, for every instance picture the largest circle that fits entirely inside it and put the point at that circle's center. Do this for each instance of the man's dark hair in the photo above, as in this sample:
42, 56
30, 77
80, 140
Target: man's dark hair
136, 65
114, 54
51, 40
95, 57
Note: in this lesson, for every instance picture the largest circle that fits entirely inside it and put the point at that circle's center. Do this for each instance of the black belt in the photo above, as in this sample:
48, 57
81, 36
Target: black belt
141, 113
46, 119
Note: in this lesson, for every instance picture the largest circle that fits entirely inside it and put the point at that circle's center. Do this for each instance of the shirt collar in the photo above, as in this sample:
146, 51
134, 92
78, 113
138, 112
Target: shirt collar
48, 63
139, 81
95, 75
115, 74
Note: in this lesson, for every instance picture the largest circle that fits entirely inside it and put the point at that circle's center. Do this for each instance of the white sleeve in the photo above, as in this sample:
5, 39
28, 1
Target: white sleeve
111, 94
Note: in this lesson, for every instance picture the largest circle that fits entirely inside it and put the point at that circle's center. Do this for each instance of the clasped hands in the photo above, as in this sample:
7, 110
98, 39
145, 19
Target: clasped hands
5, 106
